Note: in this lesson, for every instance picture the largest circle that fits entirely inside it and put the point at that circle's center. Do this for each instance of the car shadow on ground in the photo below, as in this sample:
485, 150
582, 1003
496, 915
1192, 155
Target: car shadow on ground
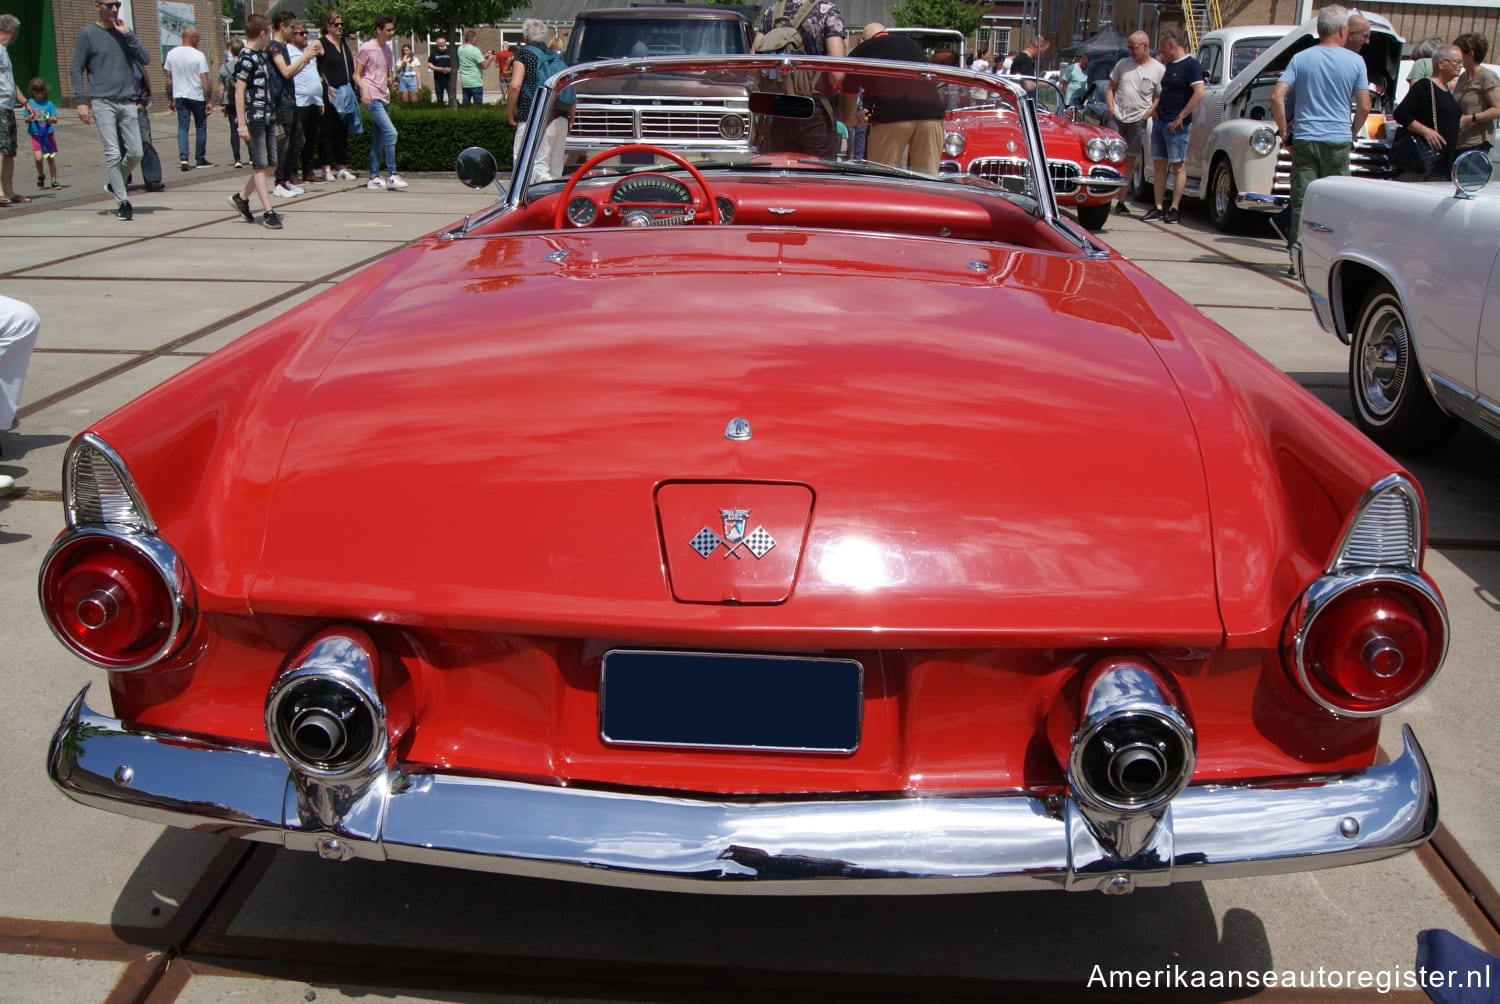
430, 924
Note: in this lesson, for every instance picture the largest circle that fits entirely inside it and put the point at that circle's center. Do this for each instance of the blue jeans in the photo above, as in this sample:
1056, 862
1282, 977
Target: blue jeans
384, 140
474, 95
198, 111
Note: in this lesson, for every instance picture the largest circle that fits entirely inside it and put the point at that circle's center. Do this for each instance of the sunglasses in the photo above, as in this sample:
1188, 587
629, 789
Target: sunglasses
115, 6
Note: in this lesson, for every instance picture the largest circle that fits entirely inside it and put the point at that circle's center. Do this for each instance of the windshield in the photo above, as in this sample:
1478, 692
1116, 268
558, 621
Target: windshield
771, 114
628, 38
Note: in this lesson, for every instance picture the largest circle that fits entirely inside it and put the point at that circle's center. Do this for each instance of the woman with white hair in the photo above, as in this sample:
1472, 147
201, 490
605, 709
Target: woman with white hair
525, 77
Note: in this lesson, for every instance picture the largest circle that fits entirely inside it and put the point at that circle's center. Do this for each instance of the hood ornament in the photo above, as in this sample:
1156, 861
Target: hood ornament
738, 430
757, 541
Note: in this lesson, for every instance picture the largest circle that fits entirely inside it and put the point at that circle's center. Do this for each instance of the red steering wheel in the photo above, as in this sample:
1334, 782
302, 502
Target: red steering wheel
710, 214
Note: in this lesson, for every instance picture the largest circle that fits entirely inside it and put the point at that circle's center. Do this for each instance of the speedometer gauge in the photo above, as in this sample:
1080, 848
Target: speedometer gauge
652, 188
582, 211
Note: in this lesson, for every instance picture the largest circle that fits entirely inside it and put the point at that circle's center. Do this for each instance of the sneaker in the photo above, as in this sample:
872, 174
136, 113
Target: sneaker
344, 174
155, 186
241, 206
6, 483
239, 163
295, 189
396, 182
204, 163
1172, 216
125, 211
272, 219
56, 185
375, 183
41, 182
282, 192
1122, 209
1152, 215
184, 165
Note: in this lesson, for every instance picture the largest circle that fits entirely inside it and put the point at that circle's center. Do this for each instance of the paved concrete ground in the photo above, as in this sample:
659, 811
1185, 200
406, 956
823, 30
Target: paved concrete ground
100, 907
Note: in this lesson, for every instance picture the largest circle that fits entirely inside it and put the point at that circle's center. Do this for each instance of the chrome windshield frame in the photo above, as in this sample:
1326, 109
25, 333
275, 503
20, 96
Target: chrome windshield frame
516, 194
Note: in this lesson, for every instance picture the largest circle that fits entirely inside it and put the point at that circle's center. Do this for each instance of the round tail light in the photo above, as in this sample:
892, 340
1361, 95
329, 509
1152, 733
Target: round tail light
117, 600
1366, 647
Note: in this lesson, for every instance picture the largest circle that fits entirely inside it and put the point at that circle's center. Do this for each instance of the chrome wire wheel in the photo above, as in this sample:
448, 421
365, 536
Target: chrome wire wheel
1384, 360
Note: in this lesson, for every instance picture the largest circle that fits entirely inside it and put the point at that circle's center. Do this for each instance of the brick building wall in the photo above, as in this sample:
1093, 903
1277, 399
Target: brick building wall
70, 16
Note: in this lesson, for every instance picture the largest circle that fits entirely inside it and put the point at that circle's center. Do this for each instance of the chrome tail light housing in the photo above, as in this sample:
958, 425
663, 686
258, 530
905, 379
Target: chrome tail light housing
112, 590
1372, 631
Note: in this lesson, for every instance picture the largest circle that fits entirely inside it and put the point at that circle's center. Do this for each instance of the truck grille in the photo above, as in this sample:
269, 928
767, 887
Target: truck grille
1370, 158
661, 120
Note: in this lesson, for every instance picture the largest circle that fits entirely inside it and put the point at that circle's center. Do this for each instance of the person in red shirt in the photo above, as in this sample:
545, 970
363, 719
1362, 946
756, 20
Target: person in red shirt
502, 62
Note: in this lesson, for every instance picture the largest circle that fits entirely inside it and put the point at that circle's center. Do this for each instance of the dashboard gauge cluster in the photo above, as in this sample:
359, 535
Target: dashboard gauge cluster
643, 200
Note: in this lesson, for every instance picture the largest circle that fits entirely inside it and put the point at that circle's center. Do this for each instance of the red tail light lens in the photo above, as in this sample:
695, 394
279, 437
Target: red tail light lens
1365, 647
118, 601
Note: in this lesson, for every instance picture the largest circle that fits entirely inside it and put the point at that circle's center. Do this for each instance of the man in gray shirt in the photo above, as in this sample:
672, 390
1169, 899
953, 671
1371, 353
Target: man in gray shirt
106, 53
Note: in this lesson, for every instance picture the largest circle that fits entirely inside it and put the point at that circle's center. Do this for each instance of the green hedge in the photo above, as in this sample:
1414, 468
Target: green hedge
429, 138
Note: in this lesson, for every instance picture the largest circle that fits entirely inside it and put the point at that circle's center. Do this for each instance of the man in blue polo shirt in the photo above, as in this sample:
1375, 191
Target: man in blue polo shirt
1181, 91
1324, 81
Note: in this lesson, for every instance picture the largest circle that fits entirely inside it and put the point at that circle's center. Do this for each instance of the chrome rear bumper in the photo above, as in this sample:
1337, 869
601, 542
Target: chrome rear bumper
1256, 202
833, 846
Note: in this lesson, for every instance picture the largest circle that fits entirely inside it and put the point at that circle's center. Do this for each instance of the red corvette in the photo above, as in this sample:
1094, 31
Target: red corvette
1082, 159
771, 523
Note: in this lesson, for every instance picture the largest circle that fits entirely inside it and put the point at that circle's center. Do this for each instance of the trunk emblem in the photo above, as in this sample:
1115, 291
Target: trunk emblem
757, 542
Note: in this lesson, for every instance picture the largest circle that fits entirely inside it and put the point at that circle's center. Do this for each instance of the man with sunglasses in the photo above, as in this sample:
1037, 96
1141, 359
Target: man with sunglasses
104, 61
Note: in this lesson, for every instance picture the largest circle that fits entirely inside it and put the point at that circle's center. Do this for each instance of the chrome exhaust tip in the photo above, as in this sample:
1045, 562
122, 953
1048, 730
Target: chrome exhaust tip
324, 715
1133, 750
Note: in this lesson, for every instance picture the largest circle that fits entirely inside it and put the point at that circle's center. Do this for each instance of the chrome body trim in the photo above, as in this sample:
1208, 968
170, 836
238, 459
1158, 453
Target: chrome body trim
1464, 404
168, 565
89, 441
1347, 540
837, 846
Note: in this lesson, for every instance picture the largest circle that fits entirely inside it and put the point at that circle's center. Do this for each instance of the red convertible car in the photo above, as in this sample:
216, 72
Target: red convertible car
770, 523
1083, 159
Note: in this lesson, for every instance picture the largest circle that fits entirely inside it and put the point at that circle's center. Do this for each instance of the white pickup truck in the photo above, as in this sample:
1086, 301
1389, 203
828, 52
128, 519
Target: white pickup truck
1234, 160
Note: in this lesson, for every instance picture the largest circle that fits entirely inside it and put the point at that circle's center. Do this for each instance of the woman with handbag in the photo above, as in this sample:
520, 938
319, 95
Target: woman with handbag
1478, 95
336, 65
1428, 141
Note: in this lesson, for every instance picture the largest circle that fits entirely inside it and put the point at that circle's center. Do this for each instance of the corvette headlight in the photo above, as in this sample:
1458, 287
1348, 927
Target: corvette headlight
953, 144
1117, 150
1097, 148
1263, 141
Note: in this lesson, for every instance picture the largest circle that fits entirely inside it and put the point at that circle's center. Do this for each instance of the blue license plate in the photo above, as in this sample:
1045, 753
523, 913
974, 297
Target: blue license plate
717, 701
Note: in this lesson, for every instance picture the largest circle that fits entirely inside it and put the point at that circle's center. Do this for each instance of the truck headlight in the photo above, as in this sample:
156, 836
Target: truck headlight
1263, 141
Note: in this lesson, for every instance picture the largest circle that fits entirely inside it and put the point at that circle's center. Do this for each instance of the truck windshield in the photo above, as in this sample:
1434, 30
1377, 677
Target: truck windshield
634, 38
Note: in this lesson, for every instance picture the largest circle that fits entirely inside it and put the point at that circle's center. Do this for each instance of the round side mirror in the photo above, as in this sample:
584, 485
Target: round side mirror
476, 167
1472, 171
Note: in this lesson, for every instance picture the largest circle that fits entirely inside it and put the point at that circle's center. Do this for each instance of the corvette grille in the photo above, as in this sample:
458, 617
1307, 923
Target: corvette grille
1065, 174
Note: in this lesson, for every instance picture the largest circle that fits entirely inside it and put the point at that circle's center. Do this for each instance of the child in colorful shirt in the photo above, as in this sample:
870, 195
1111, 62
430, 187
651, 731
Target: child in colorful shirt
41, 118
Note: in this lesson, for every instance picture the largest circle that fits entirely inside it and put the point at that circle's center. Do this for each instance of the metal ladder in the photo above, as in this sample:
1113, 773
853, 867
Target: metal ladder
1200, 16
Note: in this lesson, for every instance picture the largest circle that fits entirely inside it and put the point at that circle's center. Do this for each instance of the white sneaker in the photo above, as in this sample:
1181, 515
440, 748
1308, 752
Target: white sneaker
295, 189
282, 192
396, 182
6, 483
344, 174
375, 183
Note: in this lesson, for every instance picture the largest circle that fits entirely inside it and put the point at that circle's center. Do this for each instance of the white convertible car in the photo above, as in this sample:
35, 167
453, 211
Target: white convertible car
1408, 276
